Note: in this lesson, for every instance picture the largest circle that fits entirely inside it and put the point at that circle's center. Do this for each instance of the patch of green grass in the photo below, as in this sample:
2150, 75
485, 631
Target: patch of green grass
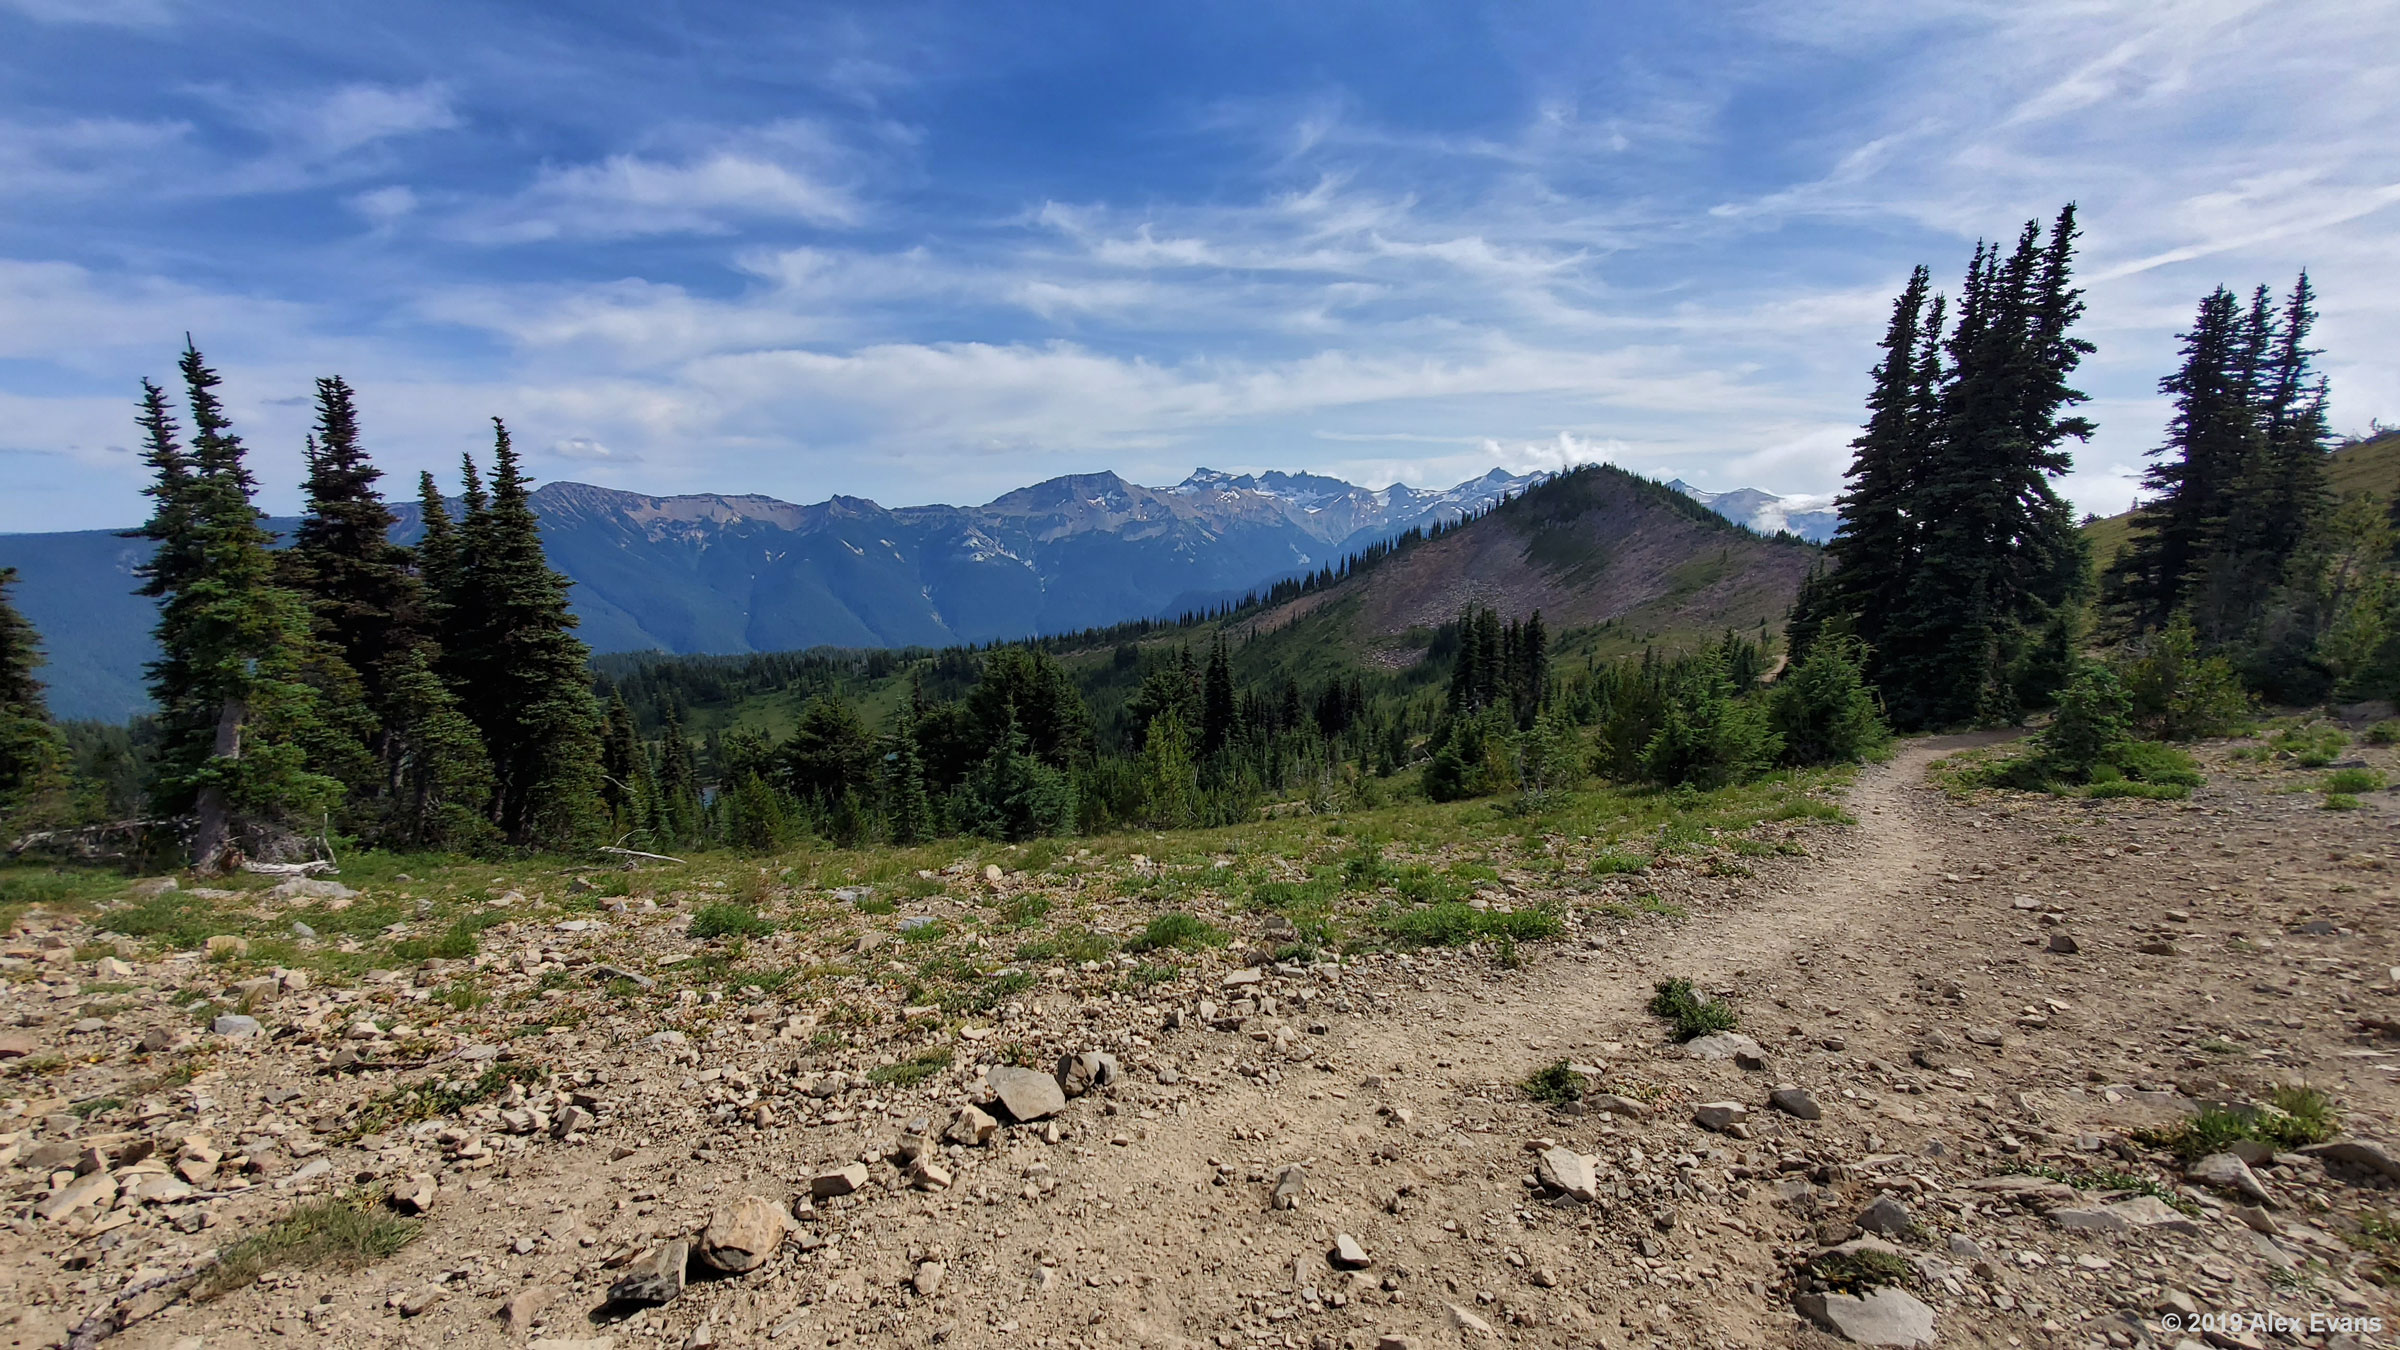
2115, 1179
1183, 932
346, 1234
1693, 1014
1149, 973
2341, 801
1454, 923
96, 1106
925, 932
1072, 946
984, 995
726, 919
436, 1097
461, 940
874, 904
912, 1071
2385, 732
2292, 1117
1556, 1084
2310, 747
2350, 781
2126, 787
1619, 862
1024, 911
461, 996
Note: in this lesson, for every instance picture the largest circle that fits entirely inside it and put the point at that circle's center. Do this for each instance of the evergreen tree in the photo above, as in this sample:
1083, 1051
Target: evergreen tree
908, 806
368, 603
1216, 701
441, 784
32, 752
523, 672
1874, 549
234, 712
1998, 551
2212, 441
680, 815
620, 747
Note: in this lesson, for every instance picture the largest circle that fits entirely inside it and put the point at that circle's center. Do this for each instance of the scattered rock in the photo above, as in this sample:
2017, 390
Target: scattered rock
658, 1278
1088, 1072
1348, 1255
1794, 1102
742, 1235
971, 1126
604, 974
1567, 1172
1719, 1116
1026, 1094
240, 1026
226, 944
927, 1280
524, 1306
2064, 944
1886, 1216
1610, 1104
2358, 1153
416, 1194
2227, 1172
1291, 1187
839, 1181
1467, 1323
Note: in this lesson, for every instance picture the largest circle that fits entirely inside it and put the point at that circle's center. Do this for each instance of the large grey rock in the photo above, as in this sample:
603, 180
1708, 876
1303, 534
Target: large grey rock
2098, 1219
1026, 1094
972, 1127
1719, 1116
1887, 1216
742, 1235
1348, 1255
658, 1278
2358, 1153
1794, 1102
2148, 1211
2227, 1172
1088, 1072
1610, 1104
1884, 1316
237, 1025
1567, 1172
1722, 1045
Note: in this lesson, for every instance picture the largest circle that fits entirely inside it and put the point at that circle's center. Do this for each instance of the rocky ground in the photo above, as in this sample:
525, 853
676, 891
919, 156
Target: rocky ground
1966, 1025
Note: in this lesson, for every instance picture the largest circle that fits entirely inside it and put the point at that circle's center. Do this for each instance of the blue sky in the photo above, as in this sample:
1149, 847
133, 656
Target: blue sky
928, 252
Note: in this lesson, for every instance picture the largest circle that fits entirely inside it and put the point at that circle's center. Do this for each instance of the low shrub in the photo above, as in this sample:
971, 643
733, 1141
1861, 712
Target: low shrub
1693, 1014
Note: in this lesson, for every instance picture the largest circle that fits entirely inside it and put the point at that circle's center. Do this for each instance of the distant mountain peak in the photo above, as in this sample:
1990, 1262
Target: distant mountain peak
1807, 515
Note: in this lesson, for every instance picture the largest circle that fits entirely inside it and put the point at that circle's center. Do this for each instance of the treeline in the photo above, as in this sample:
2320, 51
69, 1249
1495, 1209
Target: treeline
344, 687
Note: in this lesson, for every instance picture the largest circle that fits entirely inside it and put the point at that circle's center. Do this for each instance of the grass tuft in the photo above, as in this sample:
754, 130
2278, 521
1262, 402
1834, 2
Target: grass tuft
1183, 932
1693, 1015
349, 1233
1556, 1084
726, 919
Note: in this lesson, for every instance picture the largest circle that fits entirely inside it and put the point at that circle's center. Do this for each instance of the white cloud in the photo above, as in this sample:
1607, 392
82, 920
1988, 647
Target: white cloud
585, 448
790, 171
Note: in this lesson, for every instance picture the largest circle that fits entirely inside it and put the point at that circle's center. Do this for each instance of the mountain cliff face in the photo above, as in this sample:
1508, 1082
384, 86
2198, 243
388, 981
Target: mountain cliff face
722, 573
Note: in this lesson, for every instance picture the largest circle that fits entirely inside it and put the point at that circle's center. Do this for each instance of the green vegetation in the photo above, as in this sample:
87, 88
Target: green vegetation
1556, 1083
1178, 931
1692, 1014
725, 919
348, 1233
1451, 923
407, 1105
2292, 1117
1857, 1271
912, 1071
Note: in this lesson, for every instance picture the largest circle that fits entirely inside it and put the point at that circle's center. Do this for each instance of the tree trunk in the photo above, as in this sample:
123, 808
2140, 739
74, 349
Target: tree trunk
212, 840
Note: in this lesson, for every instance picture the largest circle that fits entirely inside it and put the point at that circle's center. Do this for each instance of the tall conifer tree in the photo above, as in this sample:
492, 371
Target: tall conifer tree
524, 681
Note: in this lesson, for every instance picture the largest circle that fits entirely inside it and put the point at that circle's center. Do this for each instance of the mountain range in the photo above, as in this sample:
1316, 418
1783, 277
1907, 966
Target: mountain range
719, 573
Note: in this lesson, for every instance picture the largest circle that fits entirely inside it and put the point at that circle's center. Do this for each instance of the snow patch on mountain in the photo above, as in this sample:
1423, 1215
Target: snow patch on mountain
1807, 514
